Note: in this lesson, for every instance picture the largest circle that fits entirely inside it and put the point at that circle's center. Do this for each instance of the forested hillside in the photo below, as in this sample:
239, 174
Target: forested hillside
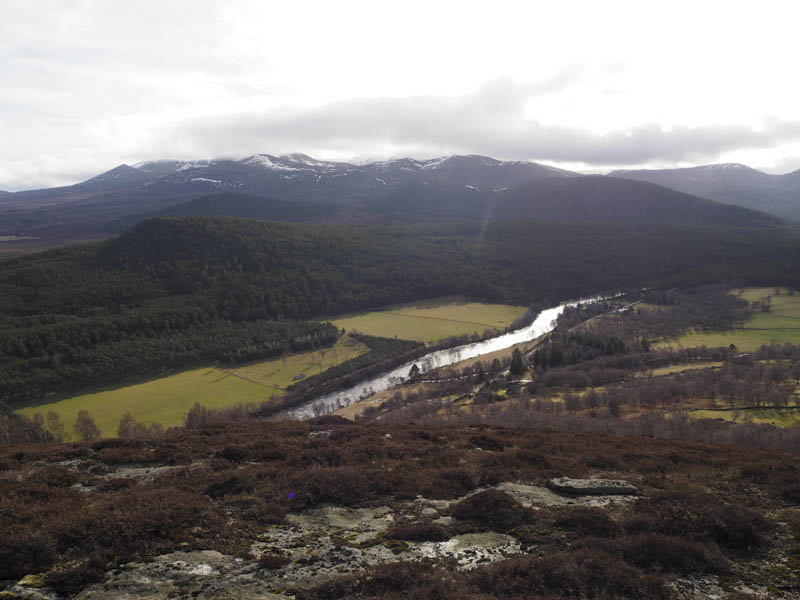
234, 204
180, 292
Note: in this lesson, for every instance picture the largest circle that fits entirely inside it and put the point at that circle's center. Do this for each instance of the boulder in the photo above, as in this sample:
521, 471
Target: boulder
592, 487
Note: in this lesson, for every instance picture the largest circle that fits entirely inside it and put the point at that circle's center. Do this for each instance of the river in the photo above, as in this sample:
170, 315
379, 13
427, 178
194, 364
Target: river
543, 323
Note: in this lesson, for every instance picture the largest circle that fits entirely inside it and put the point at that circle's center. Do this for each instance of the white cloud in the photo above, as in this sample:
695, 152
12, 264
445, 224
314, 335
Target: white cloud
91, 83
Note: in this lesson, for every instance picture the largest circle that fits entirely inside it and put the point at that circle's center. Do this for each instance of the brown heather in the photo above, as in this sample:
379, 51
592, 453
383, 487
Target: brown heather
702, 506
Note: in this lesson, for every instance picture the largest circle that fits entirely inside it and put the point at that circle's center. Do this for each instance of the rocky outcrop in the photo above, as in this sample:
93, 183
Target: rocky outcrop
592, 487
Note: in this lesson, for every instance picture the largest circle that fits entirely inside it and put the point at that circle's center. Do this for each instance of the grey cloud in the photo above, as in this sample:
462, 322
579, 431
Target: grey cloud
489, 121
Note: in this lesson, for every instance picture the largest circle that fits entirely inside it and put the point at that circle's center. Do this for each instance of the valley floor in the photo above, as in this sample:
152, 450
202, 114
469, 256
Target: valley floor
167, 400
778, 322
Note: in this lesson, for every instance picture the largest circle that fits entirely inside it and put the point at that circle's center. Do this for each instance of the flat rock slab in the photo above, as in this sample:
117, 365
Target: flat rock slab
592, 487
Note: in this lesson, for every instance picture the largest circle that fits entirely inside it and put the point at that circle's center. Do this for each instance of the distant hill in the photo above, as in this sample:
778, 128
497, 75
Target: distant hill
402, 190
586, 199
85, 209
300, 177
239, 205
297, 177
565, 199
608, 199
730, 184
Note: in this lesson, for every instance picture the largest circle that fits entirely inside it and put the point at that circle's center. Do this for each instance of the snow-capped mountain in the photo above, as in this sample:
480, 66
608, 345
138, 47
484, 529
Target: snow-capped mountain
120, 177
301, 177
297, 186
374, 188
730, 183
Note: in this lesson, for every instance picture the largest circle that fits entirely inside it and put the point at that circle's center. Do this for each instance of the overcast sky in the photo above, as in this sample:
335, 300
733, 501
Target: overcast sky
88, 84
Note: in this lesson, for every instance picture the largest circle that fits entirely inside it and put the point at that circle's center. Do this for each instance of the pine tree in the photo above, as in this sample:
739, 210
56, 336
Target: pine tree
517, 366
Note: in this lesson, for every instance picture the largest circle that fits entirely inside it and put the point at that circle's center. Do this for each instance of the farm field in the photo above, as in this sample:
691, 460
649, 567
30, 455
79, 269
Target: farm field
429, 323
780, 325
165, 400
279, 373
766, 416
675, 369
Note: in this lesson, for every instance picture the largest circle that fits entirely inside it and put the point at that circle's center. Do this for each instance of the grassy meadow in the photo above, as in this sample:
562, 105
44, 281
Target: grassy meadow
279, 372
779, 325
765, 416
430, 322
165, 400
675, 369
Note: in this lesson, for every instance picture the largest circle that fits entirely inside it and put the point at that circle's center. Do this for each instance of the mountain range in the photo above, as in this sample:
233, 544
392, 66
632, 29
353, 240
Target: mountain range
730, 183
299, 187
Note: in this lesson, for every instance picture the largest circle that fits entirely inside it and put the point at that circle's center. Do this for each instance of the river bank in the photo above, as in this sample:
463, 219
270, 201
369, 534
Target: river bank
328, 403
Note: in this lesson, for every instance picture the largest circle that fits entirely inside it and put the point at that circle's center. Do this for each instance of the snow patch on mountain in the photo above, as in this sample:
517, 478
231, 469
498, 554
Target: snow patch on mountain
435, 163
268, 162
195, 164
726, 167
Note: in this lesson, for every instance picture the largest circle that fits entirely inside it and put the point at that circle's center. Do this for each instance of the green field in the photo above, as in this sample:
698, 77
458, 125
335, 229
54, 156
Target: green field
166, 400
281, 373
779, 418
674, 369
429, 323
780, 325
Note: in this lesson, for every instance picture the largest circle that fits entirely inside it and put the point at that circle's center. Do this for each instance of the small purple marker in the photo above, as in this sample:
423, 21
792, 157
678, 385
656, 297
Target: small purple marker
291, 495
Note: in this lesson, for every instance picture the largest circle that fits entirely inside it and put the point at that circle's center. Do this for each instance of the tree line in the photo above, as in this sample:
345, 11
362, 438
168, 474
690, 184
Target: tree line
181, 292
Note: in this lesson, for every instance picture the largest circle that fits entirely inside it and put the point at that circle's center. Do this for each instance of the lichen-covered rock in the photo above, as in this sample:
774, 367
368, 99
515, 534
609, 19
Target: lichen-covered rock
35, 581
204, 574
592, 487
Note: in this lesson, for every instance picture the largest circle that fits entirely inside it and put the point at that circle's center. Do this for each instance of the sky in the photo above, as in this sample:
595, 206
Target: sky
86, 85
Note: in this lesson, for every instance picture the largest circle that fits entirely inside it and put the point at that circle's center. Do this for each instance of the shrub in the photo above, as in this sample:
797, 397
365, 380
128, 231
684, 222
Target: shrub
341, 485
700, 517
71, 579
55, 476
234, 454
783, 480
578, 574
654, 552
485, 442
229, 486
658, 553
586, 521
24, 552
115, 484
273, 561
442, 482
266, 513
493, 508
393, 580
420, 531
